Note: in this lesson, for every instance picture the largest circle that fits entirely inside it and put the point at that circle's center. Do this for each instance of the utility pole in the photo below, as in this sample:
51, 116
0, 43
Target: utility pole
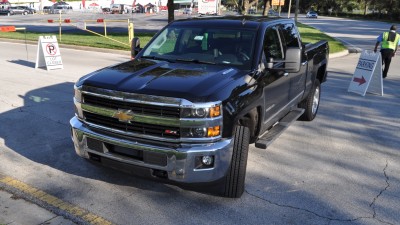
290, 6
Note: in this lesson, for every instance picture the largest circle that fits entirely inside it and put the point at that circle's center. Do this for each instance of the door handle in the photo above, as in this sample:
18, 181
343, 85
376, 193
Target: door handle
286, 74
304, 63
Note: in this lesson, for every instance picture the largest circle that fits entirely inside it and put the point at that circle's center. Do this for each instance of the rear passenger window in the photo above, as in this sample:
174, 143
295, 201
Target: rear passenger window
290, 35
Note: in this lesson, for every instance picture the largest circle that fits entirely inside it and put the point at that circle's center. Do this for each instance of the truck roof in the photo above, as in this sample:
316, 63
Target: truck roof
248, 22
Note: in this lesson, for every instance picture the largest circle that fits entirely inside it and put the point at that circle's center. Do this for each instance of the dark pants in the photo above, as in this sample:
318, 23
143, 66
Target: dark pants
387, 55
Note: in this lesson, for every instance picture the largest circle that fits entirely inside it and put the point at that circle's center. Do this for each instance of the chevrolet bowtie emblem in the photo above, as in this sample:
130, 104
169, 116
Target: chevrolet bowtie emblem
124, 115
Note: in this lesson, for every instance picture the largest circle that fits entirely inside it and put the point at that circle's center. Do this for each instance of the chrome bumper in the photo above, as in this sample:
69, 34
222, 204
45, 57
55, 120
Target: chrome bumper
180, 160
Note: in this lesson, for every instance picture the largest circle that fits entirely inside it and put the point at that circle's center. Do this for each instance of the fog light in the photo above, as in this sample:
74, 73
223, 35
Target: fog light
204, 162
207, 160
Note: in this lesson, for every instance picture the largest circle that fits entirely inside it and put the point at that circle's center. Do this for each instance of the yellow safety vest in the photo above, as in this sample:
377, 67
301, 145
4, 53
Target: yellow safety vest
389, 44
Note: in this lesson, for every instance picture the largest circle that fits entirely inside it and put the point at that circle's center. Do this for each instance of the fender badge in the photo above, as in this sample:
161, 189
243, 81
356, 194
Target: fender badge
124, 115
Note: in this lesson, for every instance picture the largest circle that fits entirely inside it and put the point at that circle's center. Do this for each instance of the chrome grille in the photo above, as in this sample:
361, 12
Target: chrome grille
133, 127
155, 110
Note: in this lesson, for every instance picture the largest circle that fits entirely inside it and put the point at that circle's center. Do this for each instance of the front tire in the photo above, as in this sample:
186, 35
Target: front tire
311, 103
235, 179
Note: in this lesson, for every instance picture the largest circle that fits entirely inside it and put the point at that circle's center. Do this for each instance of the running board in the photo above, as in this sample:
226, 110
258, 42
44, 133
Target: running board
269, 137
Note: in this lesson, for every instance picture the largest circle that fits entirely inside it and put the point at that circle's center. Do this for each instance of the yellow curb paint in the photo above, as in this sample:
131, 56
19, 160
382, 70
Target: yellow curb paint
38, 194
89, 217
54, 201
76, 211
100, 221
6, 179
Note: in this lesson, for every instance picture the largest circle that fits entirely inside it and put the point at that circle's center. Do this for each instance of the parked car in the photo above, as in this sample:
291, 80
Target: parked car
29, 9
14, 10
187, 11
311, 14
252, 11
120, 8
106, 10
60, 8
6, 12
185, 110
46, 9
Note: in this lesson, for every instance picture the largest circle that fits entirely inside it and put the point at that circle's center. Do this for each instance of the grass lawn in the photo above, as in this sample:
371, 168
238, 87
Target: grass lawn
312, 35
308, 34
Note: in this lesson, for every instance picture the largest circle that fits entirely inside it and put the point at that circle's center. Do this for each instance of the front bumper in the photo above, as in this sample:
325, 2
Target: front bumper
178, 161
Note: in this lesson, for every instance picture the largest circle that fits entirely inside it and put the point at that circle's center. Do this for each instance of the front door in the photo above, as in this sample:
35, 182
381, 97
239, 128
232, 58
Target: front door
275, 81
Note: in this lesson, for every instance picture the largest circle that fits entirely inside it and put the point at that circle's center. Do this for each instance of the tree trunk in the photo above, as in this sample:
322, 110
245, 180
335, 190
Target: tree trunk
245, 7
267, 6
171, 16
365, 7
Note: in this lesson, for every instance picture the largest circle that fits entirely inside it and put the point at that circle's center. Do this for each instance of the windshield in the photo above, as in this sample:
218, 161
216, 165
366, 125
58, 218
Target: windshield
203, 45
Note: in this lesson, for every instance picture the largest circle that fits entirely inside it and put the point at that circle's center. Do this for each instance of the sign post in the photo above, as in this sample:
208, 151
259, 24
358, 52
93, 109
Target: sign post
48, 53
368, 74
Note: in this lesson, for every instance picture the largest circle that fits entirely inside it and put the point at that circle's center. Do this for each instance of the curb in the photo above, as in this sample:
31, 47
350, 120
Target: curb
50, 202
340, 54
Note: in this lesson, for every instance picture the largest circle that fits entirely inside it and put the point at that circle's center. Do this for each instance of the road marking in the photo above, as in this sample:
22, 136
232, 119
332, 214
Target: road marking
53, 201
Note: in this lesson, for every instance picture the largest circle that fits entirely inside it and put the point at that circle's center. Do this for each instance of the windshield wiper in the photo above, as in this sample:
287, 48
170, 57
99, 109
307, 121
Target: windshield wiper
196, 61
157, 58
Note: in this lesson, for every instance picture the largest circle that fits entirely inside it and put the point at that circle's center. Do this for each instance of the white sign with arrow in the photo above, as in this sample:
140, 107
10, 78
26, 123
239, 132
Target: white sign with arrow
368, 74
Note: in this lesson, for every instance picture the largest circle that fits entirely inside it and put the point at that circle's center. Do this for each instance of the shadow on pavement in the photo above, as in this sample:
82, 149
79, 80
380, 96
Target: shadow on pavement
23, 63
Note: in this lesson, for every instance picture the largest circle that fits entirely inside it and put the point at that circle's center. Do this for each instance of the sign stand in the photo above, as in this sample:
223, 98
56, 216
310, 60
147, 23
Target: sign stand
48, 53
368, 74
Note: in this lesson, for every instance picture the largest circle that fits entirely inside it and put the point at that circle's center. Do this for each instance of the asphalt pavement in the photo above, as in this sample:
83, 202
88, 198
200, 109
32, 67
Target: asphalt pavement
340, 169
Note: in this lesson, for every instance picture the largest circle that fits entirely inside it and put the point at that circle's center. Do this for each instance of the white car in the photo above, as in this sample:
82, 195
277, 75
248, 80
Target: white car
311, 14
187, 11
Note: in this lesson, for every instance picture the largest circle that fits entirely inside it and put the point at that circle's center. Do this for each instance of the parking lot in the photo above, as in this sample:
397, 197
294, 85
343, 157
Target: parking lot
342, 168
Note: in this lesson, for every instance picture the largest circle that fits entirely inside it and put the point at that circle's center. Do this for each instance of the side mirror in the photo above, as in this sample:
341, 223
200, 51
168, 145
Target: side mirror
293, 60
135, 47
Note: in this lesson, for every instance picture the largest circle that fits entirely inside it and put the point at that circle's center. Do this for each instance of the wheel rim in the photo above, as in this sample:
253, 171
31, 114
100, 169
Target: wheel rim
315, 101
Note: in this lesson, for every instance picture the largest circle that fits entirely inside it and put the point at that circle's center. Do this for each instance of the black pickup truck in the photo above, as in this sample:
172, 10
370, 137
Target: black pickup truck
186, 108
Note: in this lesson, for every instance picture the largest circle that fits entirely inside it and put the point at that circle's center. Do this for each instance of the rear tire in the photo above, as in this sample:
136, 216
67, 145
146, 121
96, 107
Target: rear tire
235, 179
311, 103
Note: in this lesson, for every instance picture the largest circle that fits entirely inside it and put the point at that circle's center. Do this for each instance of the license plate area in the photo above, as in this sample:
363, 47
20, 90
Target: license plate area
154, 158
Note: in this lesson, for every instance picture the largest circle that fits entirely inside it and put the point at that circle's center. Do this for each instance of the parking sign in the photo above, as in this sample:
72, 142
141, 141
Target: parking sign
368, 74
48, 53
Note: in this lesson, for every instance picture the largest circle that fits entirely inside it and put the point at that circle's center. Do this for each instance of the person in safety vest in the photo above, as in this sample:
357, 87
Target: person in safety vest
390, 42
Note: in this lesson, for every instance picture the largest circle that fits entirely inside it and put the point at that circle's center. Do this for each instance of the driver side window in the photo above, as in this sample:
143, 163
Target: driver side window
273, 44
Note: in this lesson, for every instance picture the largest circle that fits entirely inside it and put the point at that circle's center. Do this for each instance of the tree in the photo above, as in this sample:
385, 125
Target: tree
231, 3
267, 6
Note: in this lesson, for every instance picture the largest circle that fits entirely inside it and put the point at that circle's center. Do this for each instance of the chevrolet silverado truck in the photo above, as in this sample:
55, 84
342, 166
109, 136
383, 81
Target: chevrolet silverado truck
186, 107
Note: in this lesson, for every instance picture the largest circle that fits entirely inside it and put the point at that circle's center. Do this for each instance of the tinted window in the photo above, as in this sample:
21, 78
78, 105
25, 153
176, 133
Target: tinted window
202, 44
272, 44
291, 35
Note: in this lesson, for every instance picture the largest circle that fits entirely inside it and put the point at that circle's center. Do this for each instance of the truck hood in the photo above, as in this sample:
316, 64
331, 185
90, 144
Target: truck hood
192, 81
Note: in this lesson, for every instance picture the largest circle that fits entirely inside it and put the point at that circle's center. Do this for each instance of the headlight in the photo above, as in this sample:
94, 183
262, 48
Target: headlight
203, 120
201, 132
78, 101
201, 112
77, 94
